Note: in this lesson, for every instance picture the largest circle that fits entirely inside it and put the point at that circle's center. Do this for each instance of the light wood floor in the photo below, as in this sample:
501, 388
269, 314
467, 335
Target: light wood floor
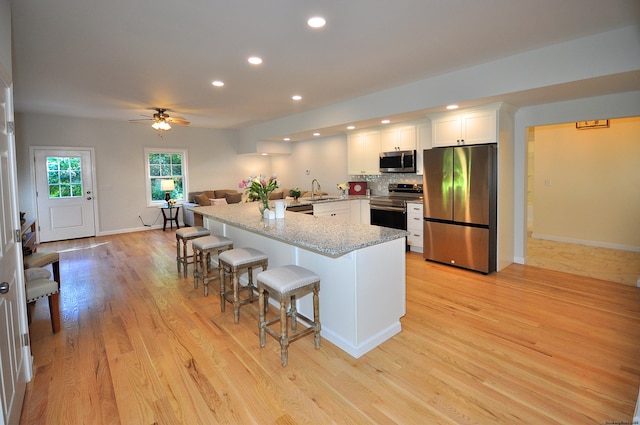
600, 263
140, 346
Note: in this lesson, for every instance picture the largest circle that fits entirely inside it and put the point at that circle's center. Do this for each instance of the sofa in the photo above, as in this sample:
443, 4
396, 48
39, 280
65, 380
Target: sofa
224, 196
282, 193
206, 198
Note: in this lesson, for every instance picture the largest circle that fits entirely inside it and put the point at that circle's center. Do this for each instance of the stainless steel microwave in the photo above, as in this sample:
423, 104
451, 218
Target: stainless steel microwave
398, 162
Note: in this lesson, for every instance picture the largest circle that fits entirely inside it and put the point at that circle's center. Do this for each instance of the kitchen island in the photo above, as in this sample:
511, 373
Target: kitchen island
361, 268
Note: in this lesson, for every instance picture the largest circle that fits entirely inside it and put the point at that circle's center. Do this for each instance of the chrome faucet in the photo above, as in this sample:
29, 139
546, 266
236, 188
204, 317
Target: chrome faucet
313, 192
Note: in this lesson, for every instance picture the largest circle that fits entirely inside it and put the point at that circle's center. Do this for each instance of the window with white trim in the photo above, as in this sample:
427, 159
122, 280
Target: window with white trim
165, 164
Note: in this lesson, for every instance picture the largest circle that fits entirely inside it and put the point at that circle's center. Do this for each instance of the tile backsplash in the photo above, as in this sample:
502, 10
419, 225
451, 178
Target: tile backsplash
379, 184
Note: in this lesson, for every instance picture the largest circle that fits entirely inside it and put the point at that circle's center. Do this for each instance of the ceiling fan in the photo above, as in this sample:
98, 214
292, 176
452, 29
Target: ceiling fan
162, 121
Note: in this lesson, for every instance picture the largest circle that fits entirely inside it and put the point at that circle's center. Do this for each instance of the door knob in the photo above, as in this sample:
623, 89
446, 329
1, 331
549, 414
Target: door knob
4, 287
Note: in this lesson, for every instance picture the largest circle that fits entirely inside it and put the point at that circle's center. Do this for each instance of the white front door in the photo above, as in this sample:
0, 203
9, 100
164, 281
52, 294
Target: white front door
15, 368
65, 195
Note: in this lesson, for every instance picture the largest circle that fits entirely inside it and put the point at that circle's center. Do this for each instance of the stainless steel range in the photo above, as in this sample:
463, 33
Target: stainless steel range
391, 210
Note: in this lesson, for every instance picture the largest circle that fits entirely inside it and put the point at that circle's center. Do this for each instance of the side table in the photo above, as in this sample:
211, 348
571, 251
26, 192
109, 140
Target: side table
170, 217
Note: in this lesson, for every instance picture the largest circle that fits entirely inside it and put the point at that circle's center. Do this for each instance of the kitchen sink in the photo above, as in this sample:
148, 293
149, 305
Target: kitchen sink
304, 208
321, 198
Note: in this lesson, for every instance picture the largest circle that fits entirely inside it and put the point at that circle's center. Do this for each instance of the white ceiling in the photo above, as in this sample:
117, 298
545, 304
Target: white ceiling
116, 59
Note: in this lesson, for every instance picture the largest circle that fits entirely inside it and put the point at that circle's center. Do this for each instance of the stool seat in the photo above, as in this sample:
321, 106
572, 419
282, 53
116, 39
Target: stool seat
287, 279
41, 259
183, 236
232, 262
285, 284
41, 287
240, 256
192, 232
203, 248
211, 241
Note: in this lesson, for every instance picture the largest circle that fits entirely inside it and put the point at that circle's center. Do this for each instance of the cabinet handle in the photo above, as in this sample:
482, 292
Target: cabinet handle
4, 287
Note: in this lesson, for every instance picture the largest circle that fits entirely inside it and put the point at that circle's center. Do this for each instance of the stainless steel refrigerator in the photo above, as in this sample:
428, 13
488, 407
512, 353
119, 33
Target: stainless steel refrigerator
460, 191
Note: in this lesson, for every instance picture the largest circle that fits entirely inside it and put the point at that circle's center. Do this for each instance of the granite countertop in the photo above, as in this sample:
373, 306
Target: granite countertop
325, 235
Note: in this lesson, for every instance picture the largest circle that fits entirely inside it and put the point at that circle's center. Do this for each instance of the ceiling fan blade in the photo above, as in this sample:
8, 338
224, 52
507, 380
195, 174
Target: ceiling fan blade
180, 121
142, 120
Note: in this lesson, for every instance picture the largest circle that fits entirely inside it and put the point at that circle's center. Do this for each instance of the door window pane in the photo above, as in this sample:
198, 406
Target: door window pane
64, 176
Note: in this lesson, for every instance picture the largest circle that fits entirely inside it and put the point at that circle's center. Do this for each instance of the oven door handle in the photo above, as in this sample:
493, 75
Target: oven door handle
392, 209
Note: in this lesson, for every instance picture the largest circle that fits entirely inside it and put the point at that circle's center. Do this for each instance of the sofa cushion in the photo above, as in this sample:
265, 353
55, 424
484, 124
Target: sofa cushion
202, 199
233, 198
276, 195
220, 193
221, 201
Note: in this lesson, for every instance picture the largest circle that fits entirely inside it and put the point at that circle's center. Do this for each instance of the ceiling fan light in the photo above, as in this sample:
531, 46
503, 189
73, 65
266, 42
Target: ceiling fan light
161, 125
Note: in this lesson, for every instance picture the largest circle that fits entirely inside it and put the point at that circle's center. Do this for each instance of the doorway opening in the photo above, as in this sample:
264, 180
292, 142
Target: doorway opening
583, 200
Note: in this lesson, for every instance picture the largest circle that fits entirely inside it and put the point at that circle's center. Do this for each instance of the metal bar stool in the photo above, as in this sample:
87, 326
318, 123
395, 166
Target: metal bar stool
285, 284
203, 249
232, 262
183, 236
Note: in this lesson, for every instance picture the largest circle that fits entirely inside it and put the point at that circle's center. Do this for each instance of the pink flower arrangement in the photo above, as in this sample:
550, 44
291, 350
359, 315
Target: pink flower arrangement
259, 187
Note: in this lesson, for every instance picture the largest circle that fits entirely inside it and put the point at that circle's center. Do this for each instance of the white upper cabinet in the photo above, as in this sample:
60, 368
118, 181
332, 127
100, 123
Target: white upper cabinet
363, 153
402, 138
465, 128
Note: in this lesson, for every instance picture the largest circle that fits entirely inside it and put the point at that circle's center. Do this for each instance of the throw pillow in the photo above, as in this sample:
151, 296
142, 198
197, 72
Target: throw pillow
233, 198
36, 273
275, 195
220, 201
202, 200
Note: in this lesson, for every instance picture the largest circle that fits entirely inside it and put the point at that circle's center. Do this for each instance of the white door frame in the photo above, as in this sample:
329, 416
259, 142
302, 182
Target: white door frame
32, 165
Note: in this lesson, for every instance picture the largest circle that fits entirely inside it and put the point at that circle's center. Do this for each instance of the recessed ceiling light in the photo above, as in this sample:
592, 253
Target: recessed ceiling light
286, 139
218, 83
385, 121
316, 134
296, 97
351, 127
452, 107
254, 60
316, 22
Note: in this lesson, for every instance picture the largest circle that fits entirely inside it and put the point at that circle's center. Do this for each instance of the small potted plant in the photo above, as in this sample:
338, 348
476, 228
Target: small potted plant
295, 193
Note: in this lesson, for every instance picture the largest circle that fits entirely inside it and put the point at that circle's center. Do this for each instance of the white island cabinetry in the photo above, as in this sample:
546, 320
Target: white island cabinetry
361, 267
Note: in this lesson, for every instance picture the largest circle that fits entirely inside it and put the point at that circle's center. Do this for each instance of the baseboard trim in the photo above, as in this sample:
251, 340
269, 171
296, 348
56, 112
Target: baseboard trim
586, 242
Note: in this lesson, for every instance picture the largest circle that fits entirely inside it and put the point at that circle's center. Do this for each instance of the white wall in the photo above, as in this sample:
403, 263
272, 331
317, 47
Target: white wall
587, 184
5, 39
325, 158
120, 163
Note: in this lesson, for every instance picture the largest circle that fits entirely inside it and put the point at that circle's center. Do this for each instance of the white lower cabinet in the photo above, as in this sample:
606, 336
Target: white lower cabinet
338, 209
415, 226
365, 211
352, 210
